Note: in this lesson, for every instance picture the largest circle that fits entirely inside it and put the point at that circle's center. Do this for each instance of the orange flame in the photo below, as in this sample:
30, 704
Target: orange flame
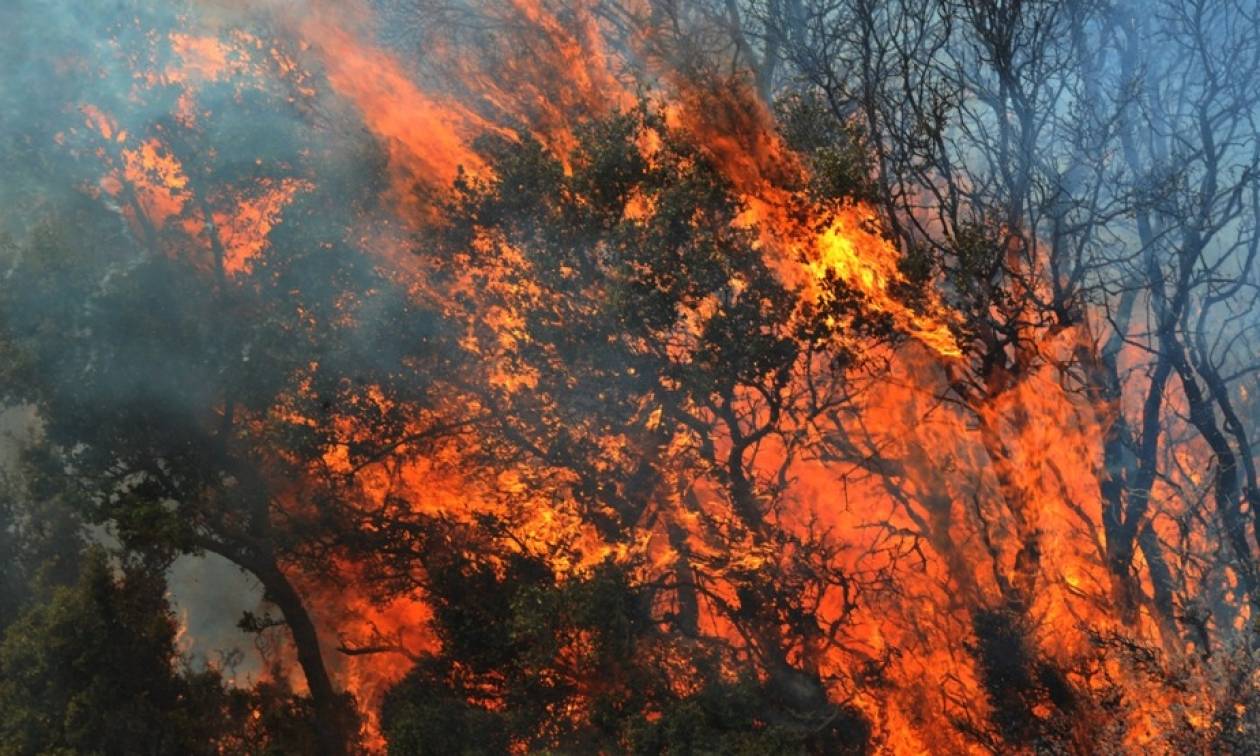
969, 502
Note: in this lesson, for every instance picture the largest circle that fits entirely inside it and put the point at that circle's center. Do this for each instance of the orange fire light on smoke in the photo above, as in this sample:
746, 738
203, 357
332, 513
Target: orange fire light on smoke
1000, 494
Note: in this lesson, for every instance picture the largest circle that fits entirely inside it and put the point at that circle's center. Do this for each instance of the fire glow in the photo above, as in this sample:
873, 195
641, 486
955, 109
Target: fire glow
967, 500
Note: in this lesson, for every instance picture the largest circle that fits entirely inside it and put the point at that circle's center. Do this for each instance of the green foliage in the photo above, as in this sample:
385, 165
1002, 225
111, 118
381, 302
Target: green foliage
41, 539
421, 718
92, 671
525, 656
91, 666
722, 718
837, 156
267, 719
575, 665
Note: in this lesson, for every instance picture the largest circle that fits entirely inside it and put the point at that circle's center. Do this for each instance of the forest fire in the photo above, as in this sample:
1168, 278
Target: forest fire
643, 376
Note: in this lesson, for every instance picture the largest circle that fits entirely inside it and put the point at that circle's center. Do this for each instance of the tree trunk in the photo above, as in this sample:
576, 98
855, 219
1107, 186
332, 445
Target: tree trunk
330, 712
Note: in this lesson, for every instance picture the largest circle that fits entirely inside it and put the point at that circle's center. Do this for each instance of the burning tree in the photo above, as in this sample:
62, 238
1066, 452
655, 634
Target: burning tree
649, 371
767, 376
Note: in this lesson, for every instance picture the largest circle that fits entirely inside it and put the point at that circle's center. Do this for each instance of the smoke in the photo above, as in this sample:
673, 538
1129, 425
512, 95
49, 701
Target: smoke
215, 134
210, 595
92, 94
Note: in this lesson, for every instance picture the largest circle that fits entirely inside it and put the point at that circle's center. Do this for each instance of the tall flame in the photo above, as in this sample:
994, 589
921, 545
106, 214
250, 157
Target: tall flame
961, 505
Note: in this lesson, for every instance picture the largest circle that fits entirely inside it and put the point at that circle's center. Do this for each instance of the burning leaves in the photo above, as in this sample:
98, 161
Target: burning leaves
658, 431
